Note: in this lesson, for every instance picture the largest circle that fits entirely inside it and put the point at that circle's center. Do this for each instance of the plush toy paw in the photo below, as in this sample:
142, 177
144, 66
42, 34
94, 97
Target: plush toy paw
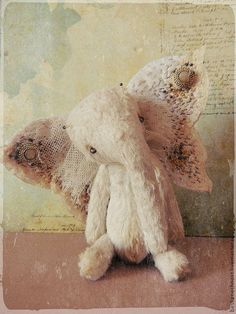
93, 263
96, 259
173, 265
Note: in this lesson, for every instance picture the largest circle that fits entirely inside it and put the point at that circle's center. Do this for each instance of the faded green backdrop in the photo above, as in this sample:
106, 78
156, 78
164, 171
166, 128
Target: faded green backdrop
56, 54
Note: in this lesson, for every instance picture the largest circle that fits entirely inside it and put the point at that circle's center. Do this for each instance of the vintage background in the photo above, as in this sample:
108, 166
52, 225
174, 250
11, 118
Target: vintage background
56, 54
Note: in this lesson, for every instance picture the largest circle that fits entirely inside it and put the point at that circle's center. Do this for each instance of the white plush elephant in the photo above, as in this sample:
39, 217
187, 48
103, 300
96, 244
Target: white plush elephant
142, 137
132, 209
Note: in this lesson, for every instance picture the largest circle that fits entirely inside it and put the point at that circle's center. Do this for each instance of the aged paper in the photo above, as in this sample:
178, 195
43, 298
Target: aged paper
91, 50
187, 27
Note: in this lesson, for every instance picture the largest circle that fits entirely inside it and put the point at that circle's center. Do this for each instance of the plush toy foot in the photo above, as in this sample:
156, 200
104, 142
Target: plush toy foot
96, 259
173, 265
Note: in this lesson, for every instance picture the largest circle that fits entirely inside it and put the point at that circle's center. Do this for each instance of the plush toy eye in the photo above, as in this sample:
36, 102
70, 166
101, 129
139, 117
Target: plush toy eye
141, 119
92, 150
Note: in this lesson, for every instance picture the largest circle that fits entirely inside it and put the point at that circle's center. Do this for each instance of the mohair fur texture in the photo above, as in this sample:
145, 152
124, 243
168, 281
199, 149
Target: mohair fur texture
143, 137
130, 197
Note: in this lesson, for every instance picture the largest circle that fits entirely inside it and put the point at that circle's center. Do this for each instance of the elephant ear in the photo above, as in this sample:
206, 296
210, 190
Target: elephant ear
171, 94
42, 154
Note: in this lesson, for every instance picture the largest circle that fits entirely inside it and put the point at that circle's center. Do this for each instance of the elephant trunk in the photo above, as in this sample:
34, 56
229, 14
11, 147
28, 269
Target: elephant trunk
149, 195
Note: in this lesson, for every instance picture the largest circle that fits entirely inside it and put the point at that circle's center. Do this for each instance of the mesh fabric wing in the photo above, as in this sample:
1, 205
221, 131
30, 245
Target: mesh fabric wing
42, 153
172, 92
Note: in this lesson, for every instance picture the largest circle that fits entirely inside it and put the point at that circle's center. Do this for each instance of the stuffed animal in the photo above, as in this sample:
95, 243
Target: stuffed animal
132, 209
142, 137
136, 141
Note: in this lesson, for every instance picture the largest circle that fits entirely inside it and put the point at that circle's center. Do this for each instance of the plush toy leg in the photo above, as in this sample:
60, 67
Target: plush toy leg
172, 264
96, 259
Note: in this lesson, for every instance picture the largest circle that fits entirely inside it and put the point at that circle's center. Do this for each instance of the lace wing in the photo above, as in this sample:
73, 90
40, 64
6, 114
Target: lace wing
172, 93
42, 154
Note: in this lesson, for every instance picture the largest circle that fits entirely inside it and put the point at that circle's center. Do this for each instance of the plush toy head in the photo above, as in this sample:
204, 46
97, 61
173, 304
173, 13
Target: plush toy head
105, 125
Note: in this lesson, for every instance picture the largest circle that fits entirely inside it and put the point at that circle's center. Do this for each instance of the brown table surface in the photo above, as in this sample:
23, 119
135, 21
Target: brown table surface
40, 271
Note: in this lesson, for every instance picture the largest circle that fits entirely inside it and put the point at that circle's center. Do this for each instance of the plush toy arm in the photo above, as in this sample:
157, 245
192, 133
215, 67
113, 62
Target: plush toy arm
97, 207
